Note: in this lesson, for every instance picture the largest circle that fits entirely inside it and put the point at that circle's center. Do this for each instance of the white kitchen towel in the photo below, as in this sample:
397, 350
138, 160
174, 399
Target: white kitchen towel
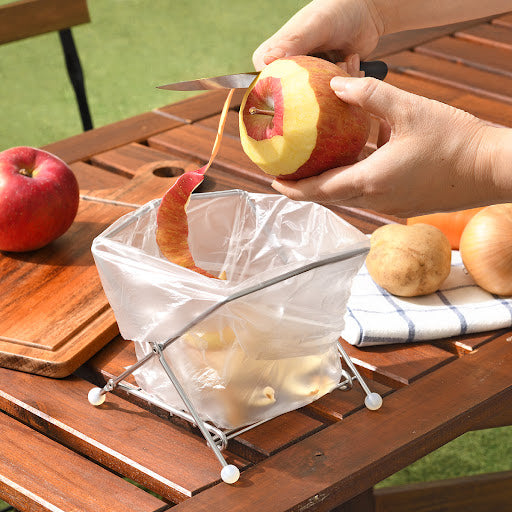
375, 317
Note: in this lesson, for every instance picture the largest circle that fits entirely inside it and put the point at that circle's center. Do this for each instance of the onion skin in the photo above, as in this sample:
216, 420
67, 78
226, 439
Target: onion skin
486, 248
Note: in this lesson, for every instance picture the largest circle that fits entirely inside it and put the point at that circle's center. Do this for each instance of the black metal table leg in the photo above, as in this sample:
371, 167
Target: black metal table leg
76, 76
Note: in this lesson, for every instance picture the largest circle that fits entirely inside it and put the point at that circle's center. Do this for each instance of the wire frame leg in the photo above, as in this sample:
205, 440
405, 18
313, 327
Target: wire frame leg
372, 400
229, 473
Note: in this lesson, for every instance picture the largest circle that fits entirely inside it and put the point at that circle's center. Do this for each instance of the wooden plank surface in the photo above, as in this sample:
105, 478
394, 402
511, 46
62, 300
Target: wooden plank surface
134, 129
306, 459
478, 82
136, 158
196, 108
27, 18
466, 344
469, 53
118, 434
254, 445
56, 315
397, 42
232, 168
492, 35
197, 141
54, 312
339, 404
477, 493
505, 20
487, 109
38, 474
398, 365
335, 464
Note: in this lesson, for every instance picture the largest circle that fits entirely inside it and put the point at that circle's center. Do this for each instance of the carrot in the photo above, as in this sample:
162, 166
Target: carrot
452, 224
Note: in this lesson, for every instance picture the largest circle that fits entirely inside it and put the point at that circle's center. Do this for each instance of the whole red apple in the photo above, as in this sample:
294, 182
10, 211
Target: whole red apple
292, 124
39, 198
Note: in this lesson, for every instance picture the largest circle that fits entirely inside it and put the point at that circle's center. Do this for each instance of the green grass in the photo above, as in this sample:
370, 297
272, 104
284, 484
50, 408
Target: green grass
130, 47
482, 451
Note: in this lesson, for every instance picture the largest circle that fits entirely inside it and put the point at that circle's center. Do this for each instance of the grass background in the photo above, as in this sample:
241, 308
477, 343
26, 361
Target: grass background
130, 47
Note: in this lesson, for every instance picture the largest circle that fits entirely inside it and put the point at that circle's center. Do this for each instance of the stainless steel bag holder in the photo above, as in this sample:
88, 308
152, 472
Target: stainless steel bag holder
216, 438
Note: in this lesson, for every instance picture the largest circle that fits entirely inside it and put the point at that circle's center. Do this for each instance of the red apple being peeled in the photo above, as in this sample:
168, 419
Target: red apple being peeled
39, 198
292, 124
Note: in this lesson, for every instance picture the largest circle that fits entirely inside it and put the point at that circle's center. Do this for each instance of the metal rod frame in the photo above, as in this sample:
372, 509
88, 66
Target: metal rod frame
215, 437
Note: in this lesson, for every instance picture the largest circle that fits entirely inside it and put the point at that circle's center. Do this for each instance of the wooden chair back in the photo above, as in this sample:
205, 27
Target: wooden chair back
28, 18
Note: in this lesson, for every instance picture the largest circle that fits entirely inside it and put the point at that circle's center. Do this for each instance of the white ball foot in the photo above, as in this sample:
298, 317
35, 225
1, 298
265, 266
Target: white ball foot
230, 474
95, 397
373, 401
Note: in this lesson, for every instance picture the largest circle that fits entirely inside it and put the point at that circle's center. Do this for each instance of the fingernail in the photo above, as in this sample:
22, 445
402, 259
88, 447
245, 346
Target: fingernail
338, 83
274, 54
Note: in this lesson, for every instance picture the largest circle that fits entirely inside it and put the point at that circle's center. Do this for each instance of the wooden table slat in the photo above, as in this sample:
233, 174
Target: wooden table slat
483, 83
461, 345
231, 127
92, 177
43, 290
31, 479
505, 20
134, 129
333, 465
393, 43
139, 190
275, 435
305, 459
339, 404
398, 365
260, 442
195, 108
478, 493
469, 53
489, 34
135, 158
129, 440
194, 140
487, 109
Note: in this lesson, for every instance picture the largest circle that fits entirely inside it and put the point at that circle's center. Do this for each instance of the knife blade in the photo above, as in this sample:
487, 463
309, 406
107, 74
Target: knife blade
376, 69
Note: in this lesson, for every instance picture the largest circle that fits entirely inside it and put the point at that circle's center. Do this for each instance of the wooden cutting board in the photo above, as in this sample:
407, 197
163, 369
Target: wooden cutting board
54, 313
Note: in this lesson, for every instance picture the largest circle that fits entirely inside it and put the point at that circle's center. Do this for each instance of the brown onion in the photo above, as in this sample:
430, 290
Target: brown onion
486, 248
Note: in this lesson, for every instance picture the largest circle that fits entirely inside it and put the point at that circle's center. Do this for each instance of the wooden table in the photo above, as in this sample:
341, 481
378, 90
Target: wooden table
60, 453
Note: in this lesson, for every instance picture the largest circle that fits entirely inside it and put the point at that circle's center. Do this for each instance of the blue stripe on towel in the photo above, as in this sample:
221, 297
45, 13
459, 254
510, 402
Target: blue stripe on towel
506, 304
349, 311
460, 316
402, 313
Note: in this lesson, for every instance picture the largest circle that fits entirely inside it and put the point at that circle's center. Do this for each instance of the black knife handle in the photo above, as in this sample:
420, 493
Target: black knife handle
374, 68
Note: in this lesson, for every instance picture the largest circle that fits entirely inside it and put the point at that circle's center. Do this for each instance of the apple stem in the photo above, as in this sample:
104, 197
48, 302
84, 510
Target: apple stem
254, 110
26, 172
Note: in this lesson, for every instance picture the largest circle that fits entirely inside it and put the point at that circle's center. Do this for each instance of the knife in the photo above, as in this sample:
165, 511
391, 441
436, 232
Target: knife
375, 69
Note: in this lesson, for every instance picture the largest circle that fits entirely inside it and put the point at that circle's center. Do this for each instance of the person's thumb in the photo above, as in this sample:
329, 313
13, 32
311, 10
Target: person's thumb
374, 96
301, 35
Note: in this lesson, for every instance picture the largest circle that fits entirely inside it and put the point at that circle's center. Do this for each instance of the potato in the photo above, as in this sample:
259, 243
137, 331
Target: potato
409, 260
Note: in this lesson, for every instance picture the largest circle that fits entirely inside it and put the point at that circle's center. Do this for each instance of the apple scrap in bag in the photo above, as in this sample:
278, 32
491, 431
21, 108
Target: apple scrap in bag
257, 357
375, 317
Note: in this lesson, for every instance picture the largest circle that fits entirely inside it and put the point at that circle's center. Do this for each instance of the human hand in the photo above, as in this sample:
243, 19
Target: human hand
322, 26
429, 157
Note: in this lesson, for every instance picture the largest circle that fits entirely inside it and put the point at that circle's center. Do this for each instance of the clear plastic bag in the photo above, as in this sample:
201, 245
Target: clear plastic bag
257, 356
